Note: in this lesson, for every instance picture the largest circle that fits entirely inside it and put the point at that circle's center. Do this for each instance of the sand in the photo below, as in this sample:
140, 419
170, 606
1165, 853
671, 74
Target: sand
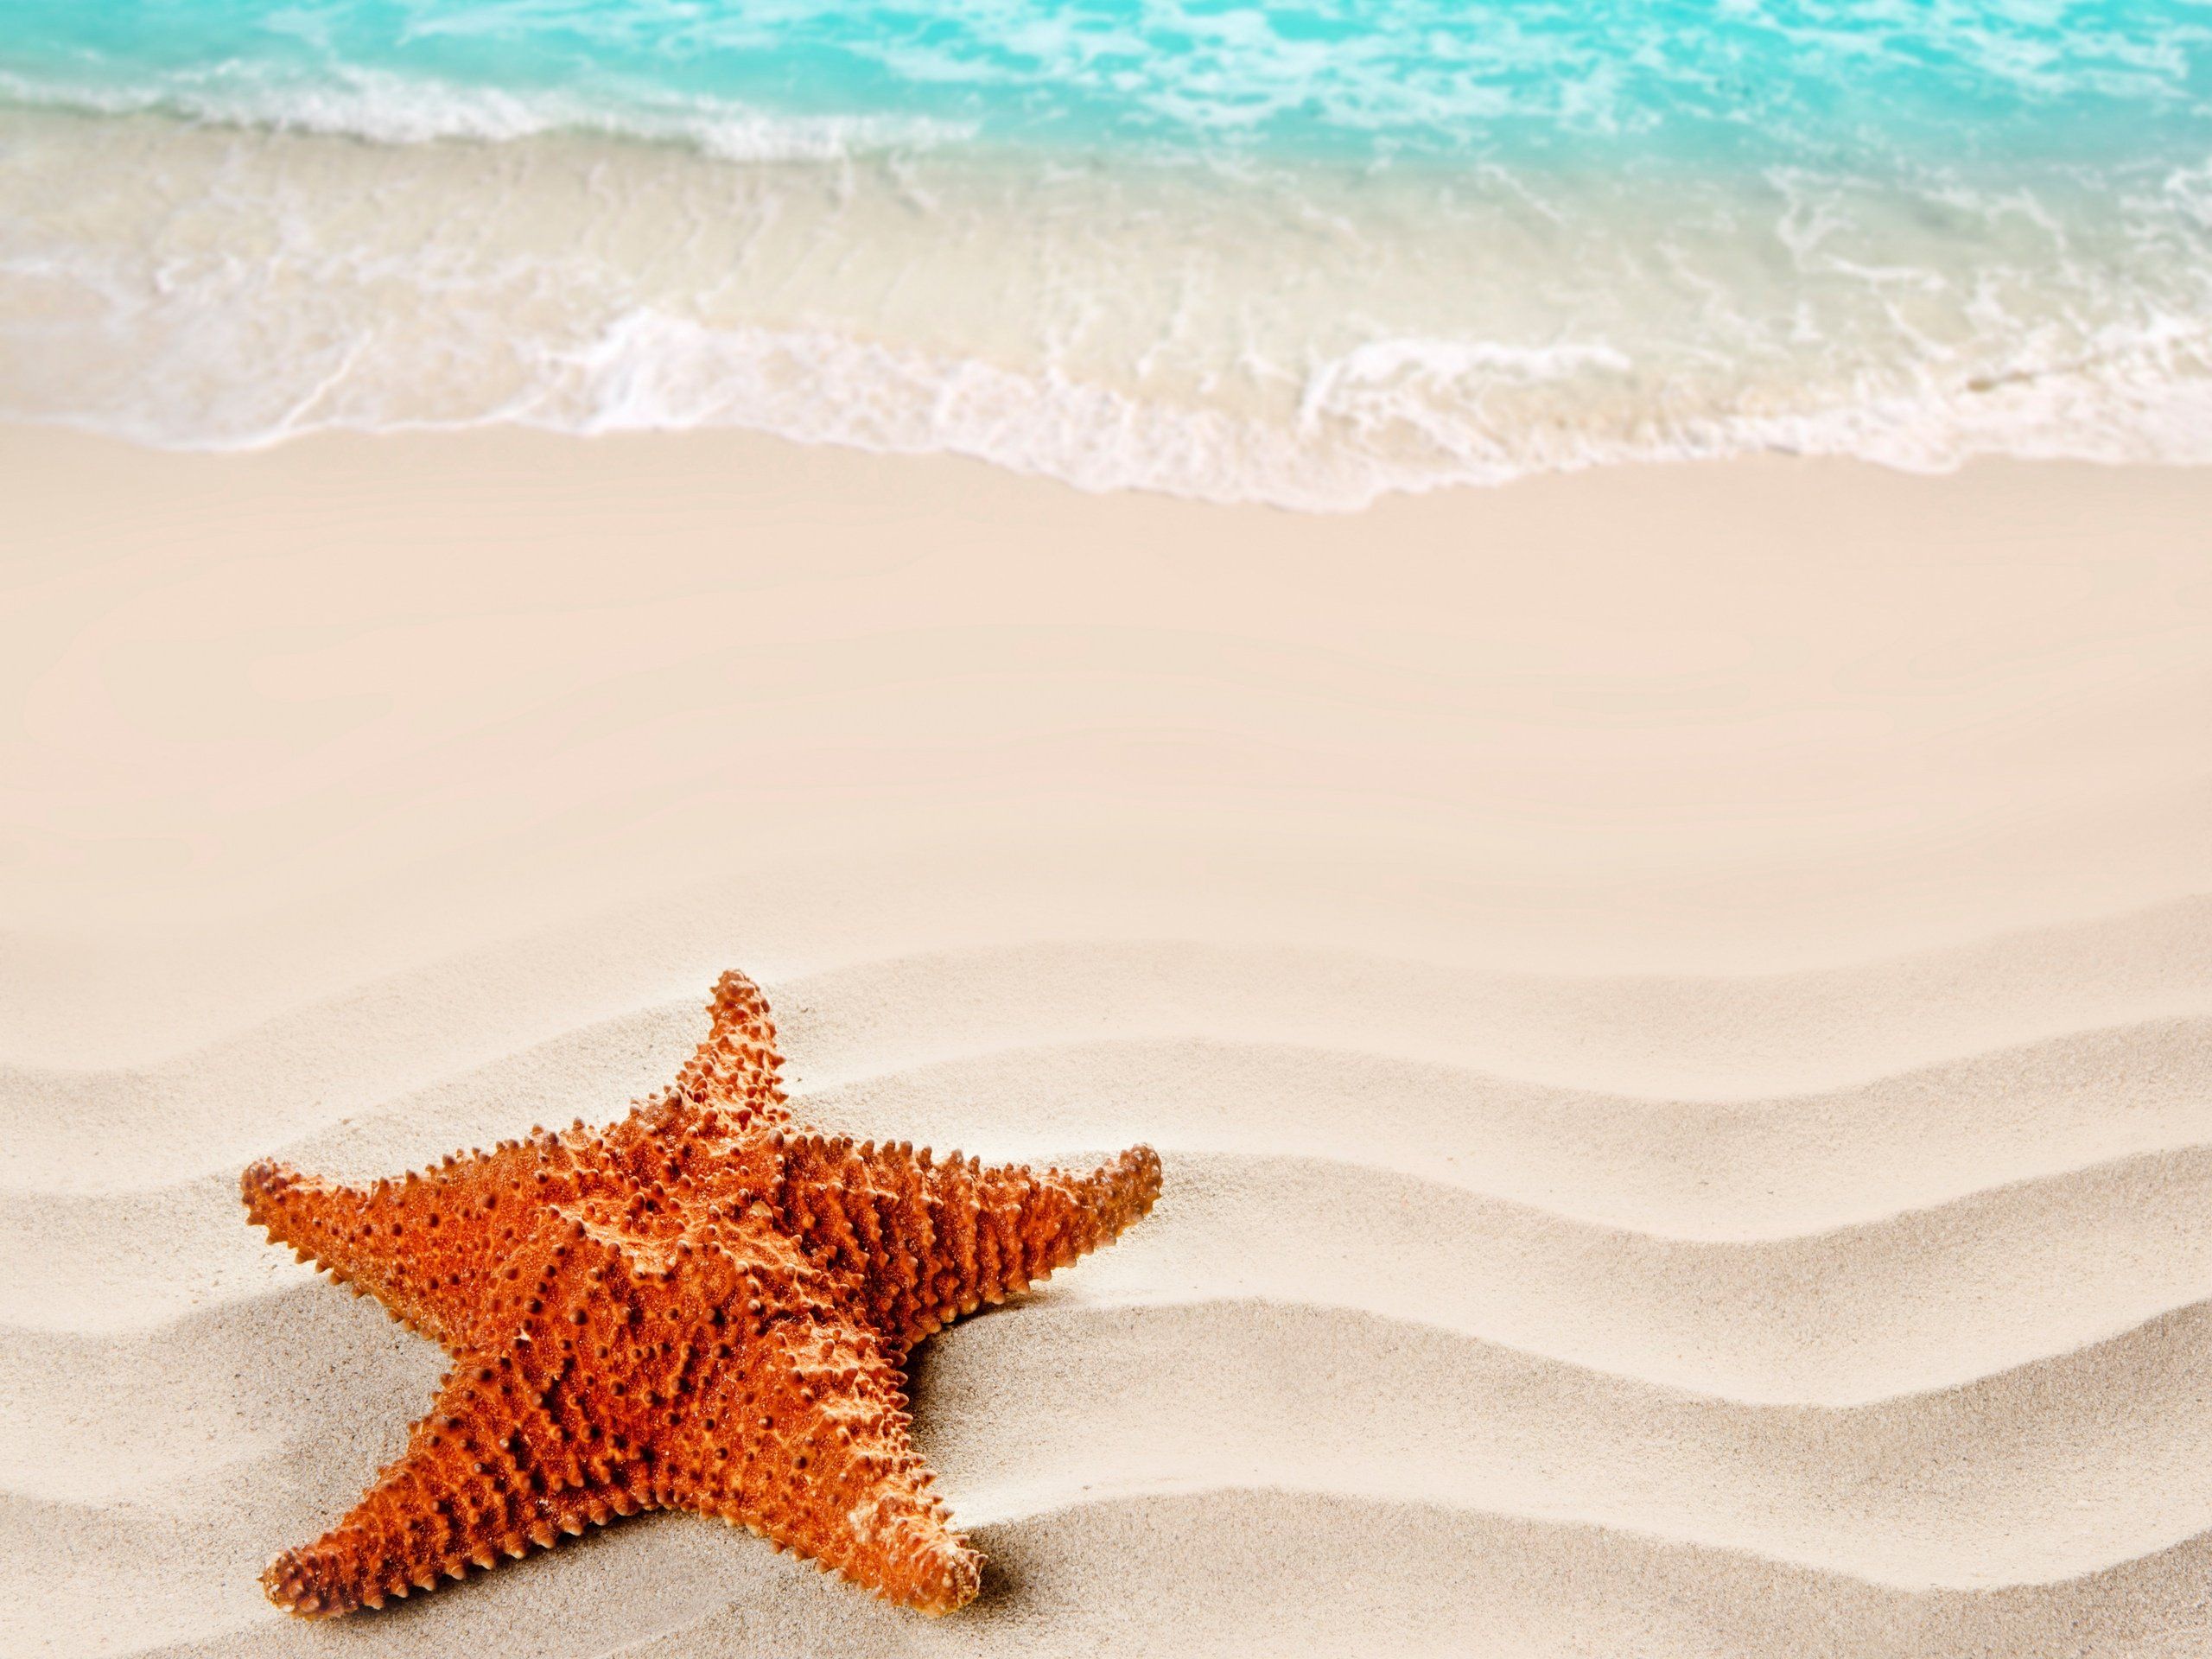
1676, 1005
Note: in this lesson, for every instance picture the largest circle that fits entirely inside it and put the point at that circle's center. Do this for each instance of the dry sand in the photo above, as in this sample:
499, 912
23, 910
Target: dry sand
1677, 1006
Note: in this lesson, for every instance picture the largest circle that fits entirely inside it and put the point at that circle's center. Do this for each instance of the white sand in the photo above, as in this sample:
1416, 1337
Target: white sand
1677, 1006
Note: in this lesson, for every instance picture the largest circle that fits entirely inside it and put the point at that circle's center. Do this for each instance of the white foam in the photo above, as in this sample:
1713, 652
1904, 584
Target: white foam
347, 100
652, 372
1252, 335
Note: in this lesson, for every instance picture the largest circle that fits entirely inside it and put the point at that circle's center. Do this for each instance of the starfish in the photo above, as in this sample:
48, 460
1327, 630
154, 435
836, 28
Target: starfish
702, 1306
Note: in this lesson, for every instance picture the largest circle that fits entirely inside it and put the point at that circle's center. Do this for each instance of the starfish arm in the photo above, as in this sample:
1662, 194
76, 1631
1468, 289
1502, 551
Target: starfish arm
736, 1068
805, 1441
428, 1246
424, 1246
498, 1465
930, 1242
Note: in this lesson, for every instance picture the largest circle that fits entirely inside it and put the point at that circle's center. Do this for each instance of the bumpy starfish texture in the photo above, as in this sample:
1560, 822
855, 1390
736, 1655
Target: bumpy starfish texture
699, 1307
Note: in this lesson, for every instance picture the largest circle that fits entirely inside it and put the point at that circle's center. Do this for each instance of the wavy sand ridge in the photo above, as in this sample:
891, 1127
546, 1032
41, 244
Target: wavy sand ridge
1891, 1342
1957, 1486
2029, 1478
1919, 1300
1742, 1039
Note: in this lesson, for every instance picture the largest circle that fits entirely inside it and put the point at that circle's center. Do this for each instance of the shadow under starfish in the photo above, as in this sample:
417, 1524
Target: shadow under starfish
701, 1307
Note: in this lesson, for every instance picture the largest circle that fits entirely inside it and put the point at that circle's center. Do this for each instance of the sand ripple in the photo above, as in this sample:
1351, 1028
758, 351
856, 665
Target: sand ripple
1885, 1332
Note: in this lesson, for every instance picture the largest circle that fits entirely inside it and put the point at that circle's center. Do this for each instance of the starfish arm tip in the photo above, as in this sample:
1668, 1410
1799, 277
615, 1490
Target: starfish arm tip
292, 1584
259, 1181
1141, 1164
958, 1583
933, 1579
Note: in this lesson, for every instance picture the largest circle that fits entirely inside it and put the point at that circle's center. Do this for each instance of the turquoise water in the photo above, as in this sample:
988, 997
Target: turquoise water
1725, 85
1299, 253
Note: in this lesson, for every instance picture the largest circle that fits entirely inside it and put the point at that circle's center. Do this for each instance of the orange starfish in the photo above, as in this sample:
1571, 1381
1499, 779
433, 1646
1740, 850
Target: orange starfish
698, 1307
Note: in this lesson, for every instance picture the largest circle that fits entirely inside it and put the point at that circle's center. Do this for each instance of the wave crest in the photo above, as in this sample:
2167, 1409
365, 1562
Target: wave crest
349, 101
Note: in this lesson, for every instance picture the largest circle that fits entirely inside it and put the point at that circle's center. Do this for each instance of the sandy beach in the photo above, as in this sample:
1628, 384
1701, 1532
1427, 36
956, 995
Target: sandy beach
1675, 1003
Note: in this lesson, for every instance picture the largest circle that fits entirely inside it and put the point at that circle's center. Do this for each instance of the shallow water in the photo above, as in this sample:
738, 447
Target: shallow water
1299, 254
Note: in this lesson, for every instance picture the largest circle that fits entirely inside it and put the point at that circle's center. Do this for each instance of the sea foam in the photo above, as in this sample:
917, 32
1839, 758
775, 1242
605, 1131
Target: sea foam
1238, 255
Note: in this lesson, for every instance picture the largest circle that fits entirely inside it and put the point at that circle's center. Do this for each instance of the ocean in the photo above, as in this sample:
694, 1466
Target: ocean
1303, 255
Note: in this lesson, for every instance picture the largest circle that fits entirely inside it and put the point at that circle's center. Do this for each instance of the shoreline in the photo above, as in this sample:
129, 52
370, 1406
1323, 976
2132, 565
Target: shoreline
1270, 333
